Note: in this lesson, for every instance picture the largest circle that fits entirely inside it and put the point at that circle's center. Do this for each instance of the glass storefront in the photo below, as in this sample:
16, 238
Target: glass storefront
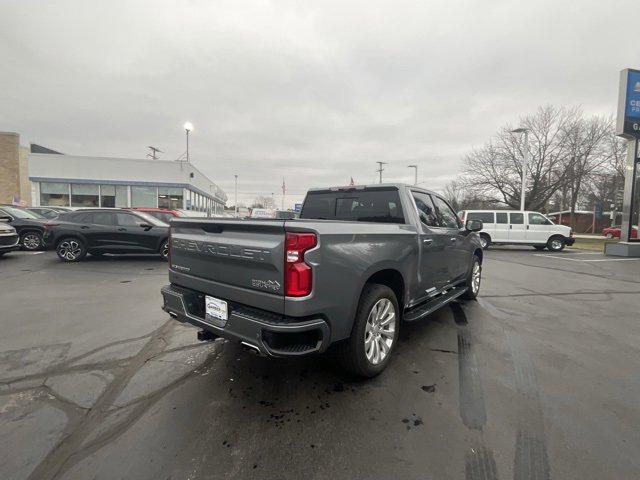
169, 198
84, 195
114, 196
121, 196
54, 194
144, 196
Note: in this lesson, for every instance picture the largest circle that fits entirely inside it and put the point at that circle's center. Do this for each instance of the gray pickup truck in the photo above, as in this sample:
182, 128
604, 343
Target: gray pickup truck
357, 263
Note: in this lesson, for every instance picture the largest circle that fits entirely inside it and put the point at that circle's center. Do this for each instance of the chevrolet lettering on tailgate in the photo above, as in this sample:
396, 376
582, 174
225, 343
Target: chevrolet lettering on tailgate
219, 250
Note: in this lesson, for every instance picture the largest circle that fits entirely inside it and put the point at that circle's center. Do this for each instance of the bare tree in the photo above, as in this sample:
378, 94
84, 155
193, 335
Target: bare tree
585, 140
495, 170
262, 201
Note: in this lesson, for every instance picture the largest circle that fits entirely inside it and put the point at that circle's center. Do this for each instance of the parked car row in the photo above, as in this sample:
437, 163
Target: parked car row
75, 233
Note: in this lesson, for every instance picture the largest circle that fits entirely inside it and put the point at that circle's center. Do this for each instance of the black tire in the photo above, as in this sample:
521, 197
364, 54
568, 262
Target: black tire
539, 247
555, 244
164, 250
485, 241
71, 249
352, 354
473, 289
31, 240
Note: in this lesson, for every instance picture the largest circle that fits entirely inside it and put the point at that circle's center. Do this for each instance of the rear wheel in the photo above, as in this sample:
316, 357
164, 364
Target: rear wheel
31, 240
485, 241
71, 249
555, 244
375, 332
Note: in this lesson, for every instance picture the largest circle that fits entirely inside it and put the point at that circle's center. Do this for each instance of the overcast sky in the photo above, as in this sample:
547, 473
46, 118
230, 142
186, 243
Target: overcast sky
315, 92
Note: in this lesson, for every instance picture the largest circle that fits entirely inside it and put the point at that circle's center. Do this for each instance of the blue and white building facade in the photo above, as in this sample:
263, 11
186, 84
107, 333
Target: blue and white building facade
84, 181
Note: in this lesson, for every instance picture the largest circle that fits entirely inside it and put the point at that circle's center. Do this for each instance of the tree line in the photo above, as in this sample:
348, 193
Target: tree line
575, 162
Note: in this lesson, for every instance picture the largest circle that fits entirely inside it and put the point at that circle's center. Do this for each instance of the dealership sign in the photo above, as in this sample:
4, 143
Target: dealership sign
628, 124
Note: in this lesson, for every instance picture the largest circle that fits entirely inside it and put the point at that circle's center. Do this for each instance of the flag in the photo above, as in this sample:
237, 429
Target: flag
352, 182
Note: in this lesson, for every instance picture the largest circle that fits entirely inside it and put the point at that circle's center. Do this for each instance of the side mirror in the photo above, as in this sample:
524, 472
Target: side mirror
474, 225
5, 218
424, 219
146, 226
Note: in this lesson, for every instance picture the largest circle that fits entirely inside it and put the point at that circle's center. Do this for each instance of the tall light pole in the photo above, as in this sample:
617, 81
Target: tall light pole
525, 162
188, 126
380, 169
235, 208
415, 178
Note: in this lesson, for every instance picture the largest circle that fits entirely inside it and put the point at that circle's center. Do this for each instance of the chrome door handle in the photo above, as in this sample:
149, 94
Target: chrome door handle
427, 240
453, 239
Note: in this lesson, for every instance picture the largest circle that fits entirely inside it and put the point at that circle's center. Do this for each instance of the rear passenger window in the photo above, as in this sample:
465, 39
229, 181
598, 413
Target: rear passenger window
102, 218
486, 217
501, 217
425, 208
516, 218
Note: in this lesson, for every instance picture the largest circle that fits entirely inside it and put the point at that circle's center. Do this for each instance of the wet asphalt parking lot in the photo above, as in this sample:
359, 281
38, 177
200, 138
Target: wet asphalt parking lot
539, 379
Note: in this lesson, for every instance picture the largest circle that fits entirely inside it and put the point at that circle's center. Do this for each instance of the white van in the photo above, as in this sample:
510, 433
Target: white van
507, 227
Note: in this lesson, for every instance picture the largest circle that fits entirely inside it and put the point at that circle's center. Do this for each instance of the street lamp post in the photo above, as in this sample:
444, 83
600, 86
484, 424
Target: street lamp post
188, 126
525, 163
415, 179
235, 208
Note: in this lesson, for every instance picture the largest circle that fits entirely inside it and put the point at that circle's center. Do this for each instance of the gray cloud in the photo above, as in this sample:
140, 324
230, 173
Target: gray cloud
315, 92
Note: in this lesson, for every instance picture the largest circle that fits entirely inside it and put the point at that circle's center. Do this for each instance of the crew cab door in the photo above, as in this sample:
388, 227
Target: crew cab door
457, 254
433, 267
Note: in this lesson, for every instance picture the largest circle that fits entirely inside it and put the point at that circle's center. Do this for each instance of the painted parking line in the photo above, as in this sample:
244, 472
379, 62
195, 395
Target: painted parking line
584, 260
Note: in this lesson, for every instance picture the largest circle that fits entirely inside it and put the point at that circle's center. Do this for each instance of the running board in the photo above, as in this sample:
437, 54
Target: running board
434, 304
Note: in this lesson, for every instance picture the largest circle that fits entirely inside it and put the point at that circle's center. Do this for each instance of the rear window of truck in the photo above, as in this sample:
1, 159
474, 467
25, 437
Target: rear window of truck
375, 205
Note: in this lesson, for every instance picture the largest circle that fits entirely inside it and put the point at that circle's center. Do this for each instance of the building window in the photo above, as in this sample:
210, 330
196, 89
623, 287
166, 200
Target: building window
169, 198
144, 196
54, 194
113, 196
84, 195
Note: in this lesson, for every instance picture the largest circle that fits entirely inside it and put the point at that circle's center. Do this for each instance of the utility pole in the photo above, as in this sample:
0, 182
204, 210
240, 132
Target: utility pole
284, 191
154, 151
236, 195
380, 169
415, 178
187, 128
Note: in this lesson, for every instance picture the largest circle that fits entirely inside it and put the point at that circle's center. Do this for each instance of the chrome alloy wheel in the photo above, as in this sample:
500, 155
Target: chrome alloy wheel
31, 241
380, 331
483, 241
70, 250
556, 244
164, 250
476, 276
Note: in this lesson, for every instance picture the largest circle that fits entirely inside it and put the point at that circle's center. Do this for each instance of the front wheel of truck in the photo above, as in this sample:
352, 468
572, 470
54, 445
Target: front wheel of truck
375, 332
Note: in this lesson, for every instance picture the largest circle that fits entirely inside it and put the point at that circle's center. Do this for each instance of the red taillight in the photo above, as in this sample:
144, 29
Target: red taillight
298, 276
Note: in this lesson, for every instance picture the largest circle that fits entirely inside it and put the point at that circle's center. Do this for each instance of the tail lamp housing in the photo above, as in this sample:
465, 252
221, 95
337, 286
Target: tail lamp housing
298, 276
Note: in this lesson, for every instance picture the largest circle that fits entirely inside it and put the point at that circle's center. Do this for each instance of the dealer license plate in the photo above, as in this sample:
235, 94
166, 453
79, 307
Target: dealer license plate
216, 309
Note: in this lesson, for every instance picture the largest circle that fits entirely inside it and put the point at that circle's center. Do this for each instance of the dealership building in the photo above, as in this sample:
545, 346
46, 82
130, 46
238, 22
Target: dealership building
56, 179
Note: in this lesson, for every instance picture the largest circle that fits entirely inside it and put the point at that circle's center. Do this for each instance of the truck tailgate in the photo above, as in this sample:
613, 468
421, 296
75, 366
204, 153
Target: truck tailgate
237, 260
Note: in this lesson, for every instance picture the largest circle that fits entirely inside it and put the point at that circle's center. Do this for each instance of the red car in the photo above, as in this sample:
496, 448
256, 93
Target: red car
163, 214
614, 232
